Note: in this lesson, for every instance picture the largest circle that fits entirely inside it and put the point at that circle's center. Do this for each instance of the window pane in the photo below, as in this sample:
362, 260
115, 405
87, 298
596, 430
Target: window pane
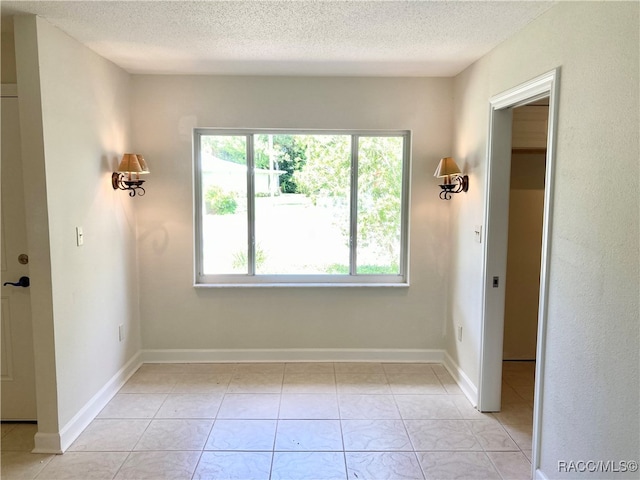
379, 205
302, 204
223, 167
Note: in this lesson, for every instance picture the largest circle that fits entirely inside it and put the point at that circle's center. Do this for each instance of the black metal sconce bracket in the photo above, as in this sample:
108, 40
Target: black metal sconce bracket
460, 183
119, 181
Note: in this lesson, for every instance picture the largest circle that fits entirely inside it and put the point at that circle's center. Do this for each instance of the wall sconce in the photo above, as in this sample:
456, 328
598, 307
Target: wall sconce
454, 181
127, 177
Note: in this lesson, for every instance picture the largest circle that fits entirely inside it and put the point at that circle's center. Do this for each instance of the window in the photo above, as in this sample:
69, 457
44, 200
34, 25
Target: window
301, 208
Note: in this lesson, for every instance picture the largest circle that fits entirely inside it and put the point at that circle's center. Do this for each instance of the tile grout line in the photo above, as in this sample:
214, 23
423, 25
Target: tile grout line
275, 435
344, 453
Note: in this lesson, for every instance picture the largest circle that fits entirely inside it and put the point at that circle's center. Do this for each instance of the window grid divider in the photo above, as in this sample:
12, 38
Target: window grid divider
251, 208
353, 206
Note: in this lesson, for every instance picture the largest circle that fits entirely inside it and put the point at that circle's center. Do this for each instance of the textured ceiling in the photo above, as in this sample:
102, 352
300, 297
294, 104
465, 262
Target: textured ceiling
376, 38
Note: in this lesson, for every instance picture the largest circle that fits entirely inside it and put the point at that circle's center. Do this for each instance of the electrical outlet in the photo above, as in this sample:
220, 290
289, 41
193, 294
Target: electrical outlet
459, 332
120, 332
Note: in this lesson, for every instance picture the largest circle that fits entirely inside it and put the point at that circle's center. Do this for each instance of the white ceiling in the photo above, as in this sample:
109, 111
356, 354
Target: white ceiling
348, 37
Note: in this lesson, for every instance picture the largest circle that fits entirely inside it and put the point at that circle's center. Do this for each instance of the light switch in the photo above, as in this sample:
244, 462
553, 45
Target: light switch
79, 236
477, 232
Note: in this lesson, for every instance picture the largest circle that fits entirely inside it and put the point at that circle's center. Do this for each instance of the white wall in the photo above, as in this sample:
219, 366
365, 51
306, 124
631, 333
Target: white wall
75, 126
175, 315
37, 221
591, 381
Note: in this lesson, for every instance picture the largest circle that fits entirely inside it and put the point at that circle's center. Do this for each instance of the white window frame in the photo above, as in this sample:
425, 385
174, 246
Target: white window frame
352, 279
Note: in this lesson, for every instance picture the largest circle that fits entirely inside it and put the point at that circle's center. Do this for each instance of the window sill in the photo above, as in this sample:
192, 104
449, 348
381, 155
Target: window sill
303, 285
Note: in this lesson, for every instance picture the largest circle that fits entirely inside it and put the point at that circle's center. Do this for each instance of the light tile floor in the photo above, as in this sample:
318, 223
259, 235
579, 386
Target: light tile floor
294, 421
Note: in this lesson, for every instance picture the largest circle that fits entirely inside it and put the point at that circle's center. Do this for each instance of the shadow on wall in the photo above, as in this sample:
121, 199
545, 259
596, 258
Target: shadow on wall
157, 236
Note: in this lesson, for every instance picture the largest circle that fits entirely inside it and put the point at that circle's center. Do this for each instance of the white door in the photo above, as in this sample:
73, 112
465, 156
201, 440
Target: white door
17, 360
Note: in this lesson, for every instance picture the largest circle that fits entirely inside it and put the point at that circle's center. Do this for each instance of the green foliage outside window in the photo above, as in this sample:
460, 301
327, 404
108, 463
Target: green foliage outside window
240, 259
219, 202
288, 153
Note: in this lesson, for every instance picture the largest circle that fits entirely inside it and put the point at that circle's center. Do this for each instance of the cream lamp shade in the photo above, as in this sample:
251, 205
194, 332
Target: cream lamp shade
143, 163
447, 167
132, 163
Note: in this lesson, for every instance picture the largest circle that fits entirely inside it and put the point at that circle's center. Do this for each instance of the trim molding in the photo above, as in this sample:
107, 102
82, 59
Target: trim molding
492, 322
47, 443
59, 442
461, 378
293, 355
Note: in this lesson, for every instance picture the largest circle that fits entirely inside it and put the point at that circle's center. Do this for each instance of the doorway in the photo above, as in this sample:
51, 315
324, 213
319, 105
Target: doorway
524, 241
522, 280
18, 370
498, 184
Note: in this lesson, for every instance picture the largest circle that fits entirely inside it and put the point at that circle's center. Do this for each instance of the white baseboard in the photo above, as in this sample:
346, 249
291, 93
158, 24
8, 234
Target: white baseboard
293, 355
47, 443
466, 385
539, 475
58, 443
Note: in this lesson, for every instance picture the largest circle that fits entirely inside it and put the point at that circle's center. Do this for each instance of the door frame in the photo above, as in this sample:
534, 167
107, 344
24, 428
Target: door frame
496, 220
